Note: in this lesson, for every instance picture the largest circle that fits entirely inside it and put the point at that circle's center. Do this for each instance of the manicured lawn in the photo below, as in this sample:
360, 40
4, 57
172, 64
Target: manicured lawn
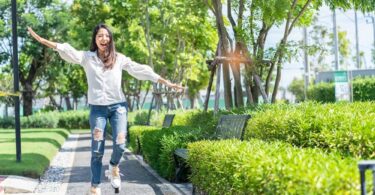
39, 146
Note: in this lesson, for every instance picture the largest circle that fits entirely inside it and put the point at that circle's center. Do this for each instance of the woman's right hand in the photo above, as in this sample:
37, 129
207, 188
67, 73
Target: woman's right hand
33, 34
41, 40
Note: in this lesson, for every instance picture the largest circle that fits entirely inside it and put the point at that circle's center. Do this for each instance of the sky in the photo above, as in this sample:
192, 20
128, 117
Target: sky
345, 22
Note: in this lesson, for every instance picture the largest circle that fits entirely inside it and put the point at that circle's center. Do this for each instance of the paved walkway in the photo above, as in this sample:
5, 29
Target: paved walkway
137, 177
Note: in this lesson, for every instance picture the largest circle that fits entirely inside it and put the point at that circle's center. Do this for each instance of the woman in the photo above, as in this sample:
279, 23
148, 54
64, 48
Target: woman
103, 67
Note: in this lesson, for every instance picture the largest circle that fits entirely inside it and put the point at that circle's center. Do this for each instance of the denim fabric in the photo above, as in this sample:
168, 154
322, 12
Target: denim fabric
99, 115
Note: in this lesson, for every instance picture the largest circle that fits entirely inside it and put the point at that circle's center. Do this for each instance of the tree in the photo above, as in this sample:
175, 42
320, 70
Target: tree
173, 36
255, 19
50, 18
297, 88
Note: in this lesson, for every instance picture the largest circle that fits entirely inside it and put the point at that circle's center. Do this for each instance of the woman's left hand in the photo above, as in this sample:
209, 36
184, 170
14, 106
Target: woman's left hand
175, 86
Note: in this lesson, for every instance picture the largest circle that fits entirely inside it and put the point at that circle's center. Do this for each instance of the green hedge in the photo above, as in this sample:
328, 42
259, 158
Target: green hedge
347, 128
158, 144
257, 167
322, 92
191, 118
68, 120
137, 131
74, 120
158, 147
363, 90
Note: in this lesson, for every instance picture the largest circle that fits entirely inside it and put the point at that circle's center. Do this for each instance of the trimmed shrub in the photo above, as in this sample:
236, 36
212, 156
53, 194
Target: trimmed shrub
363, 90
158, 146
74, 119
343, 127
322, 92
137, 131
257, 167
178, 137
40, 120
7, 122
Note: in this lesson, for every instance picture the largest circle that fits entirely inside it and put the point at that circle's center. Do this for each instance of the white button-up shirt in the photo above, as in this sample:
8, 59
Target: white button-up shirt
104, 86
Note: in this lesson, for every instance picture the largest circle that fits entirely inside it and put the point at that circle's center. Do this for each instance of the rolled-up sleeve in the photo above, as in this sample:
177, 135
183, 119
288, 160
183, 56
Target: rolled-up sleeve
139, 71
69, 54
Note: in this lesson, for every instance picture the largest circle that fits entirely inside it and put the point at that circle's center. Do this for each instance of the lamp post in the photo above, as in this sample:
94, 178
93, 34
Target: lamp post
372, 20
16, 80
335, 40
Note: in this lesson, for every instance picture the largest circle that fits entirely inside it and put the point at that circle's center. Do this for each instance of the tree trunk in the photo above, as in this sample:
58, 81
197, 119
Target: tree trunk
144, 98
277, 82
237, 85
147, 32
75, 103
258, 82
192, 102
250, 99
240, 46
27, 95
208, 93
54, 103
227, 87
68, 103
224, 52
6, 110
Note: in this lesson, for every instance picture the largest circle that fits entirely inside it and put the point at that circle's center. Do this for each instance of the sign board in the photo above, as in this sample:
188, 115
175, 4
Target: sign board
342, 87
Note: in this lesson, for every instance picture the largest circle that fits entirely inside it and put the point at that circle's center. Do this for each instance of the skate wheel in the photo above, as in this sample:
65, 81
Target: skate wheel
117, 190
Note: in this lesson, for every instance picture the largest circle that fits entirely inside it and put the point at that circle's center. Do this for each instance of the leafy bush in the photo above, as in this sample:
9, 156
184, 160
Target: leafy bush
158, 146
141, 118
68, 120
322, 92
74, 120
363, 90
297, 88
7, 122
40, 120
136, 131
257, 167
343, 127
178, 138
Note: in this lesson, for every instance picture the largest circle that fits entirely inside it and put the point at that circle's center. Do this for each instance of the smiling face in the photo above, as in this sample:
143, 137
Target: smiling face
102, 40
102, 43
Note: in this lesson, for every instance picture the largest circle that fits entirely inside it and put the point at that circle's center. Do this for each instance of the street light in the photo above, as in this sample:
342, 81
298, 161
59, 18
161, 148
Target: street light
16, 81
371, 19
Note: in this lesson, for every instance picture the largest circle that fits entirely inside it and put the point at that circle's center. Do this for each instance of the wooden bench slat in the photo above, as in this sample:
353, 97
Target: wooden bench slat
182, 153
168, 119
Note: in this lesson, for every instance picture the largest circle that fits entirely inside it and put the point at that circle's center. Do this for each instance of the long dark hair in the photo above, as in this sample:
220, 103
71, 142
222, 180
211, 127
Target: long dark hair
110, 55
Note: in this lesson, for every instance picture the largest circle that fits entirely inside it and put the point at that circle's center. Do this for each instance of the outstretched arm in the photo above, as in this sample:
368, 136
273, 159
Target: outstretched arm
41, 40
66, 51
145, 72
169, 84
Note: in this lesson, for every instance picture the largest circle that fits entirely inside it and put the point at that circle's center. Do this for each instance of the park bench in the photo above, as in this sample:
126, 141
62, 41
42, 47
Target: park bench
363, 166
228, 127
167, 122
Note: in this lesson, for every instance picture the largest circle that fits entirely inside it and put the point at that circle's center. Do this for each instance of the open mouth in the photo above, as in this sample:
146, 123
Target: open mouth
103, 45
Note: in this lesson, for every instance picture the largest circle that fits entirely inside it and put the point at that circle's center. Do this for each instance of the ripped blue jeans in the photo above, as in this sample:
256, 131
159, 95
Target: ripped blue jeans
117, 116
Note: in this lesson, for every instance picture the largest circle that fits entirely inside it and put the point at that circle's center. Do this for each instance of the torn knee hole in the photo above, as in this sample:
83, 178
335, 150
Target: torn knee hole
120, 138
98, 134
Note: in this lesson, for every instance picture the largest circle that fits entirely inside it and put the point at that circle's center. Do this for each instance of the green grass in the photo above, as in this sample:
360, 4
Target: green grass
38, 147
